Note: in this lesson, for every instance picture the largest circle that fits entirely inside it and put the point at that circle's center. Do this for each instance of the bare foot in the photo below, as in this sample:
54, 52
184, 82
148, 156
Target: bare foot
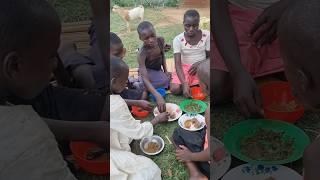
198, 177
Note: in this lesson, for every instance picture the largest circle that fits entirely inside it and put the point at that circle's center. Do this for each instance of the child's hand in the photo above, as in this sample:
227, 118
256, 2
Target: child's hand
183, 154
145, 105
193, 70
163, 117
186, 90
264, 29
246, 95
167, 47
161, 104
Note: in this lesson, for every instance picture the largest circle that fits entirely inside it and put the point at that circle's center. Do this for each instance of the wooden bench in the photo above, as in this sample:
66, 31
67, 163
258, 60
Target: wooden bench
77, 32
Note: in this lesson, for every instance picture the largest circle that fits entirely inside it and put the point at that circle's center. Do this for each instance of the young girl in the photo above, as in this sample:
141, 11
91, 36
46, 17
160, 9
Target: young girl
192, 147
152, 62
245, 49
190, 48
124, 128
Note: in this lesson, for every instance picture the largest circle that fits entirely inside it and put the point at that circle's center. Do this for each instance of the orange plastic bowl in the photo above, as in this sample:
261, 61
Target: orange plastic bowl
139, 112
197, 93
279, 92
79, 150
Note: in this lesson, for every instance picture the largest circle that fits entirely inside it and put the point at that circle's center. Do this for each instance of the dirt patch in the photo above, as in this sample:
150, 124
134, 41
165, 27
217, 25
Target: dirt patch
175, 15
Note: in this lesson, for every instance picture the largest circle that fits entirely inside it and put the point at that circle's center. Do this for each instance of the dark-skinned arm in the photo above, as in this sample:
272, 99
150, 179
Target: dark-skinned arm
143, 72
140, 103
164, 63
178, 65
92, 131
201, 156
225, 37
246, 95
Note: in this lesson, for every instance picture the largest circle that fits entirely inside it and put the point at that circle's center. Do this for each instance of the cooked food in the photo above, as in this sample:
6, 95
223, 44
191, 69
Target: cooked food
193, 107
284, 107
267, 145
152, 147
172, 115
192, 124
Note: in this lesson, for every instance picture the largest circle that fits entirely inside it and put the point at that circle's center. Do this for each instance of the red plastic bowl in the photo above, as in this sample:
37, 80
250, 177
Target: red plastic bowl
277, 92
197, 93
79, 150
139, 112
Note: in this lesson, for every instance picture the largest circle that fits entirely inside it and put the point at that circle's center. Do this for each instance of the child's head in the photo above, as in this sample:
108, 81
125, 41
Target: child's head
147, 34
30, 36
191, 20
203, 73
119, 72
299, 35
116, 46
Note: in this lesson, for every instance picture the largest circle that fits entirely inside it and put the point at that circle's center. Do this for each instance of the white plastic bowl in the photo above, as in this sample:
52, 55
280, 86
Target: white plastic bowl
146, 140
186, 117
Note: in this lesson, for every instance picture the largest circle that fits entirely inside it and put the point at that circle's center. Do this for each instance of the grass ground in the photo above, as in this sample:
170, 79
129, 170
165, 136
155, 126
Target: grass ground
73, 10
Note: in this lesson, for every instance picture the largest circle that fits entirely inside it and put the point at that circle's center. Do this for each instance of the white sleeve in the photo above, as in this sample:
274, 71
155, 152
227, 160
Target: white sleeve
208, 41
176, 45
122, 121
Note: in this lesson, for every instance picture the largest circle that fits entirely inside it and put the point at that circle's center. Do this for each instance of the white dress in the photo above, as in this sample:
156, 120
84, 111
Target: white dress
125, 165
28, 149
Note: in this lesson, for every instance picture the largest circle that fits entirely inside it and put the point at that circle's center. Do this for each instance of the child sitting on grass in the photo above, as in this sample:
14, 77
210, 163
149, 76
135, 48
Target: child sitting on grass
152, 62
298, 32
124, 128
190, 48
133, 96
192, 147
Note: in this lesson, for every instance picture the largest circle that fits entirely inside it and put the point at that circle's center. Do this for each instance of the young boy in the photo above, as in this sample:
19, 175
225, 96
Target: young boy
190, 49
124, 128
116, 46
27, 49
152, 62
192, 147
132, 95
298, 32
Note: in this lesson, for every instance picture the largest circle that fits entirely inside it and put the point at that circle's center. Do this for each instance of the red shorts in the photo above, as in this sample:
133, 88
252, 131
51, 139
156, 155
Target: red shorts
191, 80
258, 61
